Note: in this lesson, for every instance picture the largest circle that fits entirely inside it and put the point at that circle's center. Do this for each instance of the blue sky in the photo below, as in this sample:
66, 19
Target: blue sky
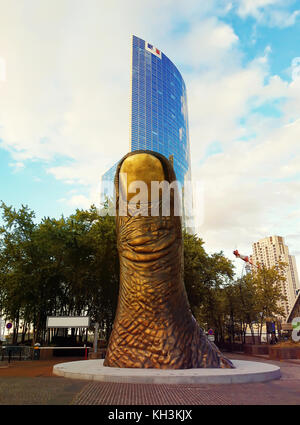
64, 106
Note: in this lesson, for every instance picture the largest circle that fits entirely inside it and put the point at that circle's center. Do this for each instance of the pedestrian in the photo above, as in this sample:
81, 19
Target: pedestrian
274, 339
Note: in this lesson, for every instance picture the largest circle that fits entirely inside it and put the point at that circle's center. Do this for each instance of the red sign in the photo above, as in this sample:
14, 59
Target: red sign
210, 332
8, 325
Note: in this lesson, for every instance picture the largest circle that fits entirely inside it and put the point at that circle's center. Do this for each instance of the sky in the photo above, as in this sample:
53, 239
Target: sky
64, 106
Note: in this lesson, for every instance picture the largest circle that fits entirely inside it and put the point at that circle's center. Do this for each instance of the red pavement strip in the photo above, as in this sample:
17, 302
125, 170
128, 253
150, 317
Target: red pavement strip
285, 391
32, 368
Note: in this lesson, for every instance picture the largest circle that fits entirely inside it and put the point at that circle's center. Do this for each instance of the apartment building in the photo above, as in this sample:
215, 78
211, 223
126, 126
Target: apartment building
268, 252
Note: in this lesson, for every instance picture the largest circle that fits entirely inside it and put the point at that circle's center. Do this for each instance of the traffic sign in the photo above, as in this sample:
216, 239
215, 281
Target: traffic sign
210, 332
8, 325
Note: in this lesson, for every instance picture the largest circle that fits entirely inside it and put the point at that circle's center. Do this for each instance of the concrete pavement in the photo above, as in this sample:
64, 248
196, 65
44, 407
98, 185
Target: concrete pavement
33, 383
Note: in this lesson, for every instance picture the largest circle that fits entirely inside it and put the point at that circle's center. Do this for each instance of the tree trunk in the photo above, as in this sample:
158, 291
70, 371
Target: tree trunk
16, 328
252, 333
24, 332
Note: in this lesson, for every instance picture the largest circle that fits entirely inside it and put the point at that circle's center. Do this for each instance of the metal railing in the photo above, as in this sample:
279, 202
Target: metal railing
16, 352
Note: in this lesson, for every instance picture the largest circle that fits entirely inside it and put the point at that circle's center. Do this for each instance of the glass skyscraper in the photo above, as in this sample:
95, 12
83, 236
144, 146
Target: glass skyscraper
159, 117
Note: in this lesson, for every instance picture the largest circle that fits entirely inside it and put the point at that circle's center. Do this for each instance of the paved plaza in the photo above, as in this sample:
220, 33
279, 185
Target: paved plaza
32, 383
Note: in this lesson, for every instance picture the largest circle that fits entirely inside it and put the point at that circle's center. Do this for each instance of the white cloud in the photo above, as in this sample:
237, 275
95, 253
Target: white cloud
218, 102
295, 68
68, 88
269, 12
79, 201
2, 70
207, 42
252, 191
254, 7
283, 19
17, 166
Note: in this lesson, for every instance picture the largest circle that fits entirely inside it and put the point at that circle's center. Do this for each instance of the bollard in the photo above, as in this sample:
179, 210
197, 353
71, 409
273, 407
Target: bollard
85, 353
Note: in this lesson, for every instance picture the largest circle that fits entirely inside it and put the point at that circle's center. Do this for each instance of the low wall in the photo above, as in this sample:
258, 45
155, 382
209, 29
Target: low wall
259, 349
46, 353
281, 353
230, 347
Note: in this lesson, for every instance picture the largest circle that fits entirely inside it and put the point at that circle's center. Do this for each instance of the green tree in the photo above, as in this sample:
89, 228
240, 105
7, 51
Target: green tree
67, 266
70, 266
247, 309
253, 298
268, 283
18, 258
204, 277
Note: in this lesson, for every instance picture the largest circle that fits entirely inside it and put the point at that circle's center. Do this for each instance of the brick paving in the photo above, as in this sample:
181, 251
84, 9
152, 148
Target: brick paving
139, 394
38, 390
285, 391
27, 368
33, 383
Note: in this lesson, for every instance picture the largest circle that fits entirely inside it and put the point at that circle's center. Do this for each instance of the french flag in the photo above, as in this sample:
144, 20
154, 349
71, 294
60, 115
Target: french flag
153, 49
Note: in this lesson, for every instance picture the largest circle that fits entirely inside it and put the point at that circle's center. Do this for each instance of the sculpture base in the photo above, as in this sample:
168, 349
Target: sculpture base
94, 370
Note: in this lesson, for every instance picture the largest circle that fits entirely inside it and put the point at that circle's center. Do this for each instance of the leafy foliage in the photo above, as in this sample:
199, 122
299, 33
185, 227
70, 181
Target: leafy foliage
57, 267
70, 267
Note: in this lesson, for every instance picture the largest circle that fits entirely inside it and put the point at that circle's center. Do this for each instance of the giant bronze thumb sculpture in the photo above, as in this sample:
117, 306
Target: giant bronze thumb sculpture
154, 326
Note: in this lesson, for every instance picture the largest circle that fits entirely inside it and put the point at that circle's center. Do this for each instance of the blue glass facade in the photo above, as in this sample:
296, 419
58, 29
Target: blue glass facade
159, 117
107, 189
109, 175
